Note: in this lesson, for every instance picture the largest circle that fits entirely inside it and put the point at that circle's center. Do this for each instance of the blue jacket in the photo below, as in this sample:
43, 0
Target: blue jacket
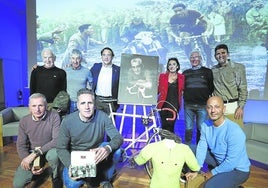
95, 71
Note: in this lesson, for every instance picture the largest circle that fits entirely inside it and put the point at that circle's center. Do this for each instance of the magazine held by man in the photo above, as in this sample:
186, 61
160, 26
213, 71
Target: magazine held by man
83, 164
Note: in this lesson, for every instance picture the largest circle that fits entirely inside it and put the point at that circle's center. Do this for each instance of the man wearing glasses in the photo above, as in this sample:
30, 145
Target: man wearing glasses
198, 88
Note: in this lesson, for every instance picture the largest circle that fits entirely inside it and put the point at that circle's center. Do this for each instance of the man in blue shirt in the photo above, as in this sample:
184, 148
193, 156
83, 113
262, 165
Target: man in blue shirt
78, 77
222, 147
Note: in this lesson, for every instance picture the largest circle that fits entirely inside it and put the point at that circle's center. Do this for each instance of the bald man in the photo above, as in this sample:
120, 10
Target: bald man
222, 147
48, 79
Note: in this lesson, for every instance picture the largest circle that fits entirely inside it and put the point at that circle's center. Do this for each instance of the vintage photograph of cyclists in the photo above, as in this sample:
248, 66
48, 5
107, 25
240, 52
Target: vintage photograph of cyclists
163, 28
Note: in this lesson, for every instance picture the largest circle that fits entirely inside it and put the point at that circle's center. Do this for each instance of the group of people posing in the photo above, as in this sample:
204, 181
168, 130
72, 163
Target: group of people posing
209, 94
213, 100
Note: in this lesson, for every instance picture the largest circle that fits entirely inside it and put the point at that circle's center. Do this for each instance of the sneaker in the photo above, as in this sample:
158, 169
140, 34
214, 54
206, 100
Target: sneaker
183, 179
107, 185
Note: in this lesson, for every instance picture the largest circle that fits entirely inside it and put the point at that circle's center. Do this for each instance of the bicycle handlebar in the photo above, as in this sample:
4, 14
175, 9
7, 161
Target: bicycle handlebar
173, 113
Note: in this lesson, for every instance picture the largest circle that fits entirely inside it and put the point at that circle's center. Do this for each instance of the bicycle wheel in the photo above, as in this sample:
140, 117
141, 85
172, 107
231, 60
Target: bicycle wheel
154, 138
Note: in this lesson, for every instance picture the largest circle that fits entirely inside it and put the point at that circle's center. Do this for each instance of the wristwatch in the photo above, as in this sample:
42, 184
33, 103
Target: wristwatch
37, 152
108, 148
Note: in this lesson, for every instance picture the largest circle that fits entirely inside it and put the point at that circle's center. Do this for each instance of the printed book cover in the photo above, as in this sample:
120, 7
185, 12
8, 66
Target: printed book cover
83, 164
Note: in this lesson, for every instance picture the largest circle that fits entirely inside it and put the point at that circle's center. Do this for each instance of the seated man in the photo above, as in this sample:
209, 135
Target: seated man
40, 130
222, 146
85, 130
168, 157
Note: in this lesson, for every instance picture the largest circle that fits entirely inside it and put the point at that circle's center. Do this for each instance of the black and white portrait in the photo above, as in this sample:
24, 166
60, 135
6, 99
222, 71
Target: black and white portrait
138, 79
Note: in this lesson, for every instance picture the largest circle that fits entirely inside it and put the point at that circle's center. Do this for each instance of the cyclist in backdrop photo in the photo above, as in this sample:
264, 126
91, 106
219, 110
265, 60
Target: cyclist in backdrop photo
191, 30
139, 38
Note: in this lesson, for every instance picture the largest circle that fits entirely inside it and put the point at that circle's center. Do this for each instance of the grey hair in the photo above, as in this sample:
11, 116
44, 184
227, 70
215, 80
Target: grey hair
86, 91
38, 95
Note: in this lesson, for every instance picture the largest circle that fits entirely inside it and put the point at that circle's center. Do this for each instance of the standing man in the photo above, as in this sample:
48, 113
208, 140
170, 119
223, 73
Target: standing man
48, 79
78, 77
106, 80
198, 88
222, 146
85, 130
38, 129
230, 83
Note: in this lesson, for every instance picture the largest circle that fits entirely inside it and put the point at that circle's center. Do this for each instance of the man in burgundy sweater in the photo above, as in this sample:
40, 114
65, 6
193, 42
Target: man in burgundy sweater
39, 130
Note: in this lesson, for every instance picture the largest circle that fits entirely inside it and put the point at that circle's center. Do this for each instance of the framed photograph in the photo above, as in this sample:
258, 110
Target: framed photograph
138, 82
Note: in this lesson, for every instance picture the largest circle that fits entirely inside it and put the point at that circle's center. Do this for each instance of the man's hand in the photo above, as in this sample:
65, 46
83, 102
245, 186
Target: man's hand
238, 113
207, 175
101, 153
191, 175
27, 161
37, 172
34, 67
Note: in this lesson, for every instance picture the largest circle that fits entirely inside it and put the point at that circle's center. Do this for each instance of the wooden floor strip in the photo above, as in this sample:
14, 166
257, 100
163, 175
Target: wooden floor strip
126, 178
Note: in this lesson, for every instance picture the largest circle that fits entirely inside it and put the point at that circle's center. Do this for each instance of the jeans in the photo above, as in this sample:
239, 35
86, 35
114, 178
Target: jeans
22, 177
105, 171
231, 179
194, 113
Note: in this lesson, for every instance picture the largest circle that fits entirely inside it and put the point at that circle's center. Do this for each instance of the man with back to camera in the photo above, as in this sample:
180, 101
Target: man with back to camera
222, 146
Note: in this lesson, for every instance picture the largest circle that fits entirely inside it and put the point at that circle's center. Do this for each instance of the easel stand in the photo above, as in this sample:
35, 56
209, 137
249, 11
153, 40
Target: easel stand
136, 123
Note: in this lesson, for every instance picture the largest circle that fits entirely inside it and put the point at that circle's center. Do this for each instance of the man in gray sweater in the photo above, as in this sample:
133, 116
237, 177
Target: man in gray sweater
85, 130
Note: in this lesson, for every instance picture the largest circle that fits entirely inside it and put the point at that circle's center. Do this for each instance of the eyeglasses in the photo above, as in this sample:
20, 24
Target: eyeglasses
194, 57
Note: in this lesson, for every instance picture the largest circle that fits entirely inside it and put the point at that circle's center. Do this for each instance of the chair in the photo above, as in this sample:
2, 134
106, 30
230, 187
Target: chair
9, 122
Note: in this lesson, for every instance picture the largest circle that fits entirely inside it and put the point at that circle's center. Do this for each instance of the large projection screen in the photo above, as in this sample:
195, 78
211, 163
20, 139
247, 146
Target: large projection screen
146, 27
